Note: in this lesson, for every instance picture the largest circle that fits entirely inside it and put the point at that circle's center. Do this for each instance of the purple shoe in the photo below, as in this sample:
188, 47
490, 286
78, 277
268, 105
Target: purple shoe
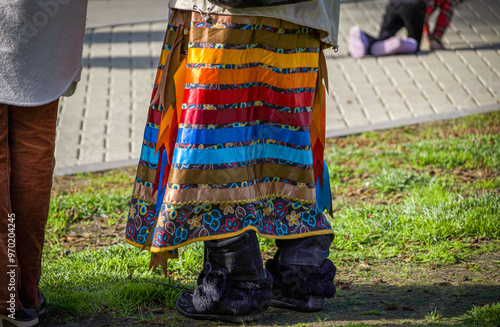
358, 42
386, 47
394, 45
410, 45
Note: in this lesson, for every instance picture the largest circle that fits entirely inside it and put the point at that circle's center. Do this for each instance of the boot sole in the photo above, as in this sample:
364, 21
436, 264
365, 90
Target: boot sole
314, 304
230, 319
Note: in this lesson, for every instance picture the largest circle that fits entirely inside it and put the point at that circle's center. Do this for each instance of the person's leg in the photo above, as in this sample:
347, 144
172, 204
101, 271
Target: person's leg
32, 141
233, 286
400, 13
9, 298
310, 251
392, 22
429, 10
413, 16
302, 273
443, 20
394, 45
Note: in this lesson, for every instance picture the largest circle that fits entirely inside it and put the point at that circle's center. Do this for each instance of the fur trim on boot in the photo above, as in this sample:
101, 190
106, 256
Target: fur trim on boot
208, 294
232, 297
244, 297
217, 298
233, 286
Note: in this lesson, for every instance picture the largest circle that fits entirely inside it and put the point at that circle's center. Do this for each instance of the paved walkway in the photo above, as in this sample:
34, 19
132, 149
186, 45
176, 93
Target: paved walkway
101, 126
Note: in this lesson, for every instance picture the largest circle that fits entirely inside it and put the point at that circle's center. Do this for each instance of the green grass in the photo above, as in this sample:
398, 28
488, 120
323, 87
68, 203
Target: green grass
116, 279
433, 315
393, 180
490, 184
406, 191
471, 151
68, 209
95, 280
429, 218
485, 316
414, 191
86, 196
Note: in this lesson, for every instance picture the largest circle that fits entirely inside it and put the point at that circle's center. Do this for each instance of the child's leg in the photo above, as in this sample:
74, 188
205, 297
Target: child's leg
444, 19
392, 21
413, 16
394, 45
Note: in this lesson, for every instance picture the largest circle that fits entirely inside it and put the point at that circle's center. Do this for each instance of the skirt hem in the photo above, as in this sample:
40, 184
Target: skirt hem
228, 235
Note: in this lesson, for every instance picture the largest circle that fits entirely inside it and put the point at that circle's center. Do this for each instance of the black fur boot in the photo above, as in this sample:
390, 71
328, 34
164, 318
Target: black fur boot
234, 286
301, 287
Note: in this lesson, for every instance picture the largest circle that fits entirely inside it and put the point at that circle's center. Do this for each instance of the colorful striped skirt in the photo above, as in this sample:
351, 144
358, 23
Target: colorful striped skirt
235, 135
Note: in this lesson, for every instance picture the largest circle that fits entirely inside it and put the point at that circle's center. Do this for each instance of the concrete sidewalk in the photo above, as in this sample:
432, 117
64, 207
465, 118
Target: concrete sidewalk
103, 13
101, 126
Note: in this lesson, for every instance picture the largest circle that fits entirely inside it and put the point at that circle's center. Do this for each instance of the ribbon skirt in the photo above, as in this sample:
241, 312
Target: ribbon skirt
235, 134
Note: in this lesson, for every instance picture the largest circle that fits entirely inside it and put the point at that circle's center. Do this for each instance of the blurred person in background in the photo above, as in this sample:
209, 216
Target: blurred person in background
233, 147
40, 60
410, 14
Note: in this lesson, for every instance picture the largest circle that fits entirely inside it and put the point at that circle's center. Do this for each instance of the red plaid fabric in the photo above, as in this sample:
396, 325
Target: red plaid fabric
444, 18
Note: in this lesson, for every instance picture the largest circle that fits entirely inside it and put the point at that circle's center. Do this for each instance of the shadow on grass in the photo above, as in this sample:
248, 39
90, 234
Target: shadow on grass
385, 305
354, 305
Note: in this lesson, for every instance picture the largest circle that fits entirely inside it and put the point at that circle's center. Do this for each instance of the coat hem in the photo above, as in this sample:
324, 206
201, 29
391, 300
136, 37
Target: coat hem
74, 78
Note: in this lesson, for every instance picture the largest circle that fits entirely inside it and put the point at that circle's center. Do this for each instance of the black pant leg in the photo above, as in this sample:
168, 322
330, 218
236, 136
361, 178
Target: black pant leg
413, 17
392, 21
312, 250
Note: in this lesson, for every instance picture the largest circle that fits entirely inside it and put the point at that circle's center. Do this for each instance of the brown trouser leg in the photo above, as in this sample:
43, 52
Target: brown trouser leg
6, 286
27, 162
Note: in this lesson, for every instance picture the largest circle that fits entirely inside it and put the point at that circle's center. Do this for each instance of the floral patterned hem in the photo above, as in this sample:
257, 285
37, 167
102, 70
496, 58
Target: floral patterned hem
167, 250
180, 223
